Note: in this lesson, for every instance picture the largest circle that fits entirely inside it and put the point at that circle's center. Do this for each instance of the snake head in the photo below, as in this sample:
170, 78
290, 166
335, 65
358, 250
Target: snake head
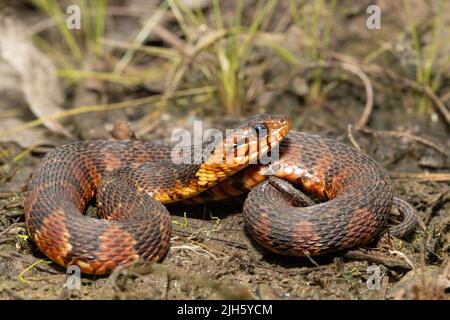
255, 138
249, 142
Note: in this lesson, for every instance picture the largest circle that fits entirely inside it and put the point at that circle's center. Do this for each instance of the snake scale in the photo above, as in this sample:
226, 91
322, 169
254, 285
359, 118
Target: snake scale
132, 180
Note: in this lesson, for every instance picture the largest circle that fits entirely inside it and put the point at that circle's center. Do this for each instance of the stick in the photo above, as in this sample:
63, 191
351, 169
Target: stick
386, 261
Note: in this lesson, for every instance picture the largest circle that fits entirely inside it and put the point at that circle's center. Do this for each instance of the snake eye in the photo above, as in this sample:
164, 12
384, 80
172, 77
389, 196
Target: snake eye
260, 129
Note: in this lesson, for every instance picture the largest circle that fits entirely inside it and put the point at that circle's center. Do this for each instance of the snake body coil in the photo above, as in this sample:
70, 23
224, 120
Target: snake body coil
131, 180
356, 190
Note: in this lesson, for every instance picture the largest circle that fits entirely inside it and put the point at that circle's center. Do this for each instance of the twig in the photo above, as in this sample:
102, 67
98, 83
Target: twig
402, 255
27, 260
407, 135
352, 68
364, 119
170, 38
398, 78
386, 261
308, 256
352, 138
421, 176
11, 226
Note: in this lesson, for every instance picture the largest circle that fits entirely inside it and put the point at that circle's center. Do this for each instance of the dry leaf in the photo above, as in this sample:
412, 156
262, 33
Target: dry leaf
38, 79
12, 107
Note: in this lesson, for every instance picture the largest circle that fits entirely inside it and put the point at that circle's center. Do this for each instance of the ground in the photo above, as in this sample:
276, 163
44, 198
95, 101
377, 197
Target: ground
401, 124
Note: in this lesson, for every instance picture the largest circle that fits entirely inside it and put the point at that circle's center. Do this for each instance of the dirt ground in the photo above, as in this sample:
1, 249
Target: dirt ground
210, 256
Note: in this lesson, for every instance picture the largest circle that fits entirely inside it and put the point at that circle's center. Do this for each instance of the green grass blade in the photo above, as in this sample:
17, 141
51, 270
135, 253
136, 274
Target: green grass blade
140, 38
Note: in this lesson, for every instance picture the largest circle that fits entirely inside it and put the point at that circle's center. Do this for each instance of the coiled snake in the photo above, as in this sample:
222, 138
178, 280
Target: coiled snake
131, 180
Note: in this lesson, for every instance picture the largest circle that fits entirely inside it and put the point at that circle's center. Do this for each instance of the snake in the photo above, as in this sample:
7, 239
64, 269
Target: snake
131, 181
